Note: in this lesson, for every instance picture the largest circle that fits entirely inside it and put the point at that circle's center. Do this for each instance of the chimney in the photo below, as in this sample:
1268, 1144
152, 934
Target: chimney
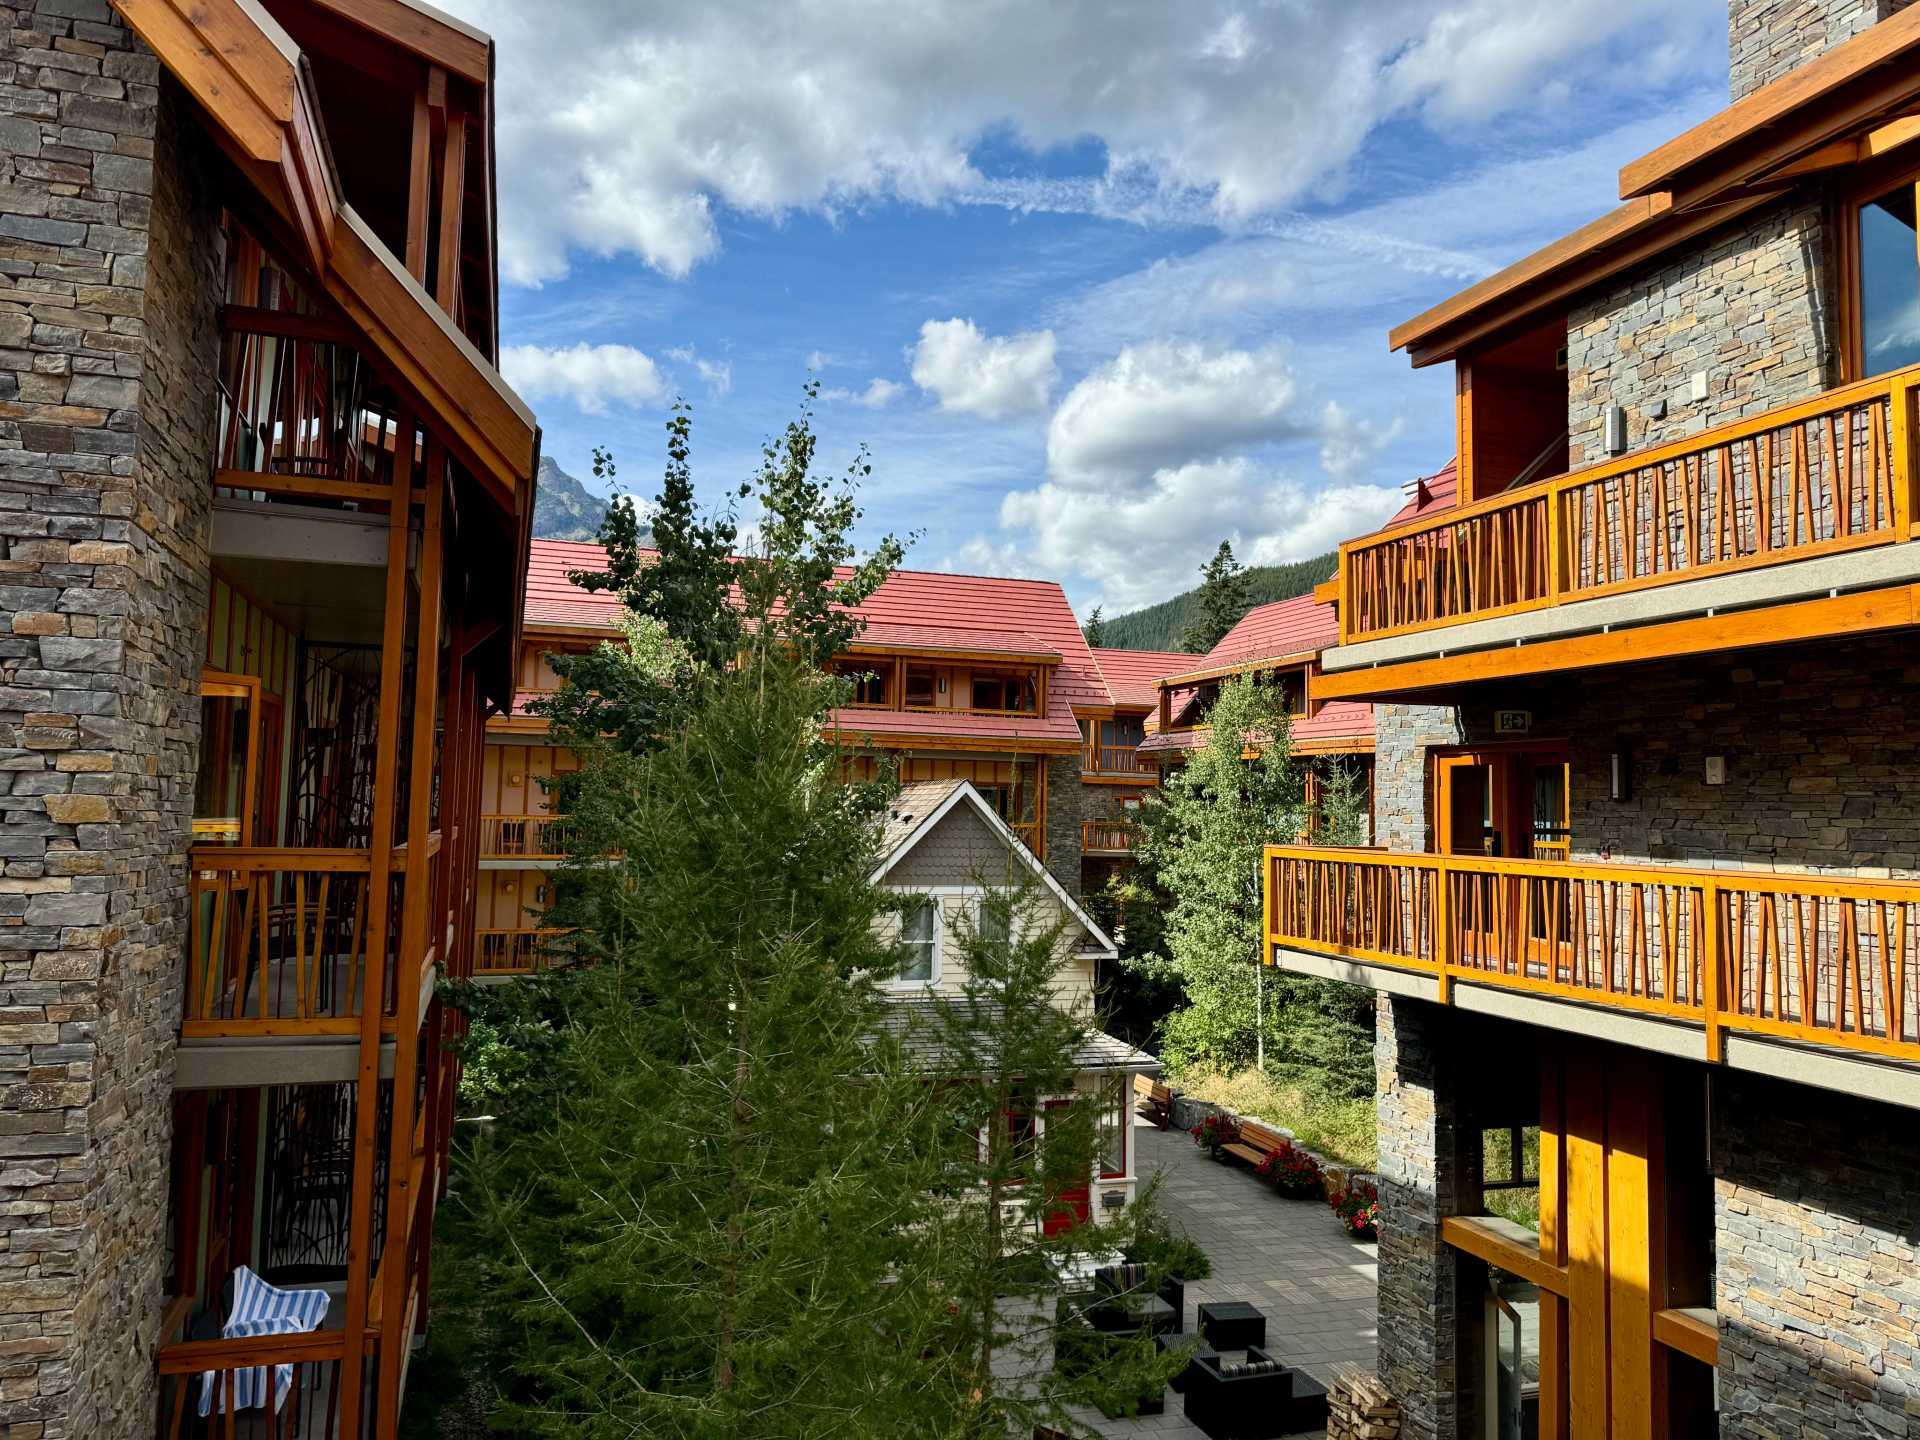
1767, 38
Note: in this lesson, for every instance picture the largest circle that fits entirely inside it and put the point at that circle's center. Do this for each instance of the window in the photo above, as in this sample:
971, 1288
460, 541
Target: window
919, 944
993, 920
919, 686
1292, 686
869, 680
995, 690
1888, 284
1115, 1116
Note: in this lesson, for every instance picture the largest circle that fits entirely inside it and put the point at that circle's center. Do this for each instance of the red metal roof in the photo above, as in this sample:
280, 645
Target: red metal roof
1058, 729
1266, 632
1338, 720
552, 599
1130, 674
881, 635
1432, 492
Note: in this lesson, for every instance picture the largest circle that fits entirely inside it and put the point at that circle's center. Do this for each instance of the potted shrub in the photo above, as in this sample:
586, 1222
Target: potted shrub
1358, 1207
1292, 1171
1213, 1132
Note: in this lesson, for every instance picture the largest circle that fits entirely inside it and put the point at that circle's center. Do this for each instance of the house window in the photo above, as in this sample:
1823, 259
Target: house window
919, 686
1115, 1115
919, 944
993, 690
993, 921
1887, 288
869, 681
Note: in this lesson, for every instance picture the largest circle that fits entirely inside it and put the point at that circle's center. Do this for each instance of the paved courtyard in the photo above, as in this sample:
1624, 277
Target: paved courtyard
1289, 1257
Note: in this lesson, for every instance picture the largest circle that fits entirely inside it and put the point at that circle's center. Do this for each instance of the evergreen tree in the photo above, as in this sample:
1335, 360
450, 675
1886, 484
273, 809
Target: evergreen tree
1095, 630
1222, 599
1021, 1145
1200, 848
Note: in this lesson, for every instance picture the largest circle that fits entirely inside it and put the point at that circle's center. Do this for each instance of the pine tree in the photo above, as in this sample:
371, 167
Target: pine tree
1095, 630
1222, 599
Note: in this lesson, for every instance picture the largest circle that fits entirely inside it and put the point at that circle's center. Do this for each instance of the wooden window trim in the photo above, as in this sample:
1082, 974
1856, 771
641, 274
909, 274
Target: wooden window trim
1865, 184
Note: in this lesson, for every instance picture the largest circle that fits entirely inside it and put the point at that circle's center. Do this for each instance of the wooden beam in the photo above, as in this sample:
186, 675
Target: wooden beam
1889, 609
429, 34
419, 181
452, 214
1692, 1330
1504, 1244
1775, 106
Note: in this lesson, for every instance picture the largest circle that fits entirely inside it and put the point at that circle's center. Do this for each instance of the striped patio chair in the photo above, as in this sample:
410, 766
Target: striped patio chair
260, 1309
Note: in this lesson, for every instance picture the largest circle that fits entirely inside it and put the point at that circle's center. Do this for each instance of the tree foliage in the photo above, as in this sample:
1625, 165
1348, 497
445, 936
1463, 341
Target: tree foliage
1200, 851
1095, 630
1224, 596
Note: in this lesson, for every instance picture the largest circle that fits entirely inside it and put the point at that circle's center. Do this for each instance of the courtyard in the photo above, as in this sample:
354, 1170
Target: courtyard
1290, 1258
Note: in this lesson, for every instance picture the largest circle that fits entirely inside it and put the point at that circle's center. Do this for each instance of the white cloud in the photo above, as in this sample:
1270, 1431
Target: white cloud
591, 376
1145, 542
631, 129
1349, 444
877, 396
1161, 404
717, 375
994, 377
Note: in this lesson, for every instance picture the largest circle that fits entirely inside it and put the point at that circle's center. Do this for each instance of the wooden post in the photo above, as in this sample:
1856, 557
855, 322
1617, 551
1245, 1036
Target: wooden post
1900, 404
1710, 971
415, 904
419, 185
453, 189
1442, 934
380, 869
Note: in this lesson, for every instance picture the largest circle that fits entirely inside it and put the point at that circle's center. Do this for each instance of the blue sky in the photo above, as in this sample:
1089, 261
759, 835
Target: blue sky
1099, 285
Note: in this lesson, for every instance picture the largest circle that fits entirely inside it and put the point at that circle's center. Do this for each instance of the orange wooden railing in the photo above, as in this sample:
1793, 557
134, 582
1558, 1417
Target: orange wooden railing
1114, 760
278, 941
1111, 837
520, 837
512, 952
1833, 473
1823, 959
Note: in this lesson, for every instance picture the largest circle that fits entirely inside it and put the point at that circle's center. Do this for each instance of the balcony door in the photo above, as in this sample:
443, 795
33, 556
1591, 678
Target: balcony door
1509, 801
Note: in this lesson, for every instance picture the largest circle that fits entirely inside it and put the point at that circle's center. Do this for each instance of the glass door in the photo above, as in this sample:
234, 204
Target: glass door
1511, 1337
226, 790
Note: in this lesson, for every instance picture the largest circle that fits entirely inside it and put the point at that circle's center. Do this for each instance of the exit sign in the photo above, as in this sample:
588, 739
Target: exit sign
1512, 722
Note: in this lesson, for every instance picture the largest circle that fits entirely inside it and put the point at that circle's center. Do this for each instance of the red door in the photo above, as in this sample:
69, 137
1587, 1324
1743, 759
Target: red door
1074, 1203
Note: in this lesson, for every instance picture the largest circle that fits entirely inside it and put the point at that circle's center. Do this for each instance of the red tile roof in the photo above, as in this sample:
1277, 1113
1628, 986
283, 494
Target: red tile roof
962, 611
882, 636
1437, 491
1058, 729
1130, 674
1338, 720
1266, 632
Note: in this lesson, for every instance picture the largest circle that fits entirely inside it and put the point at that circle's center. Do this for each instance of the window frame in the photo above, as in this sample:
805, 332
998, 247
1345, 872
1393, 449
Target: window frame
898, 980
1866, 185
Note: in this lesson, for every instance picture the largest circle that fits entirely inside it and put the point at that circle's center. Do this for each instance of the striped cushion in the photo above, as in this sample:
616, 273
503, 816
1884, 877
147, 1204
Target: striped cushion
261, 1309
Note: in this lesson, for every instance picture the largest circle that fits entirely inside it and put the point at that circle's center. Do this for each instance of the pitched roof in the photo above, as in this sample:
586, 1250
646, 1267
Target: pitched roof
1266, 632
1339, 725
882, 635
552, 599
1438, 491
1130, 674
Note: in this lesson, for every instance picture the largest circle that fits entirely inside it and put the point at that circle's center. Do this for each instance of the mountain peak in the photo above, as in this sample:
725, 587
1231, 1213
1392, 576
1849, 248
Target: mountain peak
563, 508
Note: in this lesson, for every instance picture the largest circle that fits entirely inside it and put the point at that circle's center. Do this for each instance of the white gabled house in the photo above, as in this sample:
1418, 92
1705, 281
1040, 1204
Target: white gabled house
944, 842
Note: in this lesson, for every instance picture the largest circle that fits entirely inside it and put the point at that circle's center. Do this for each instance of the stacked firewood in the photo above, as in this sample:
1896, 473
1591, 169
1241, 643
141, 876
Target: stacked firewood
1359, 1408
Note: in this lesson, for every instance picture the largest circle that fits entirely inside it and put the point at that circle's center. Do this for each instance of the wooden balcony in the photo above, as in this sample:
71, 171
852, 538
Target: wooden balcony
1106, 837
524, 837
1828, 475
1115, 760
1831, 961
512, 952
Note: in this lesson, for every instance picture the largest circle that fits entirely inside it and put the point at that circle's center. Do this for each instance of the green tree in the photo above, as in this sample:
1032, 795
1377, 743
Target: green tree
1095, 630
1200, 848
1222, 598
1021, 1145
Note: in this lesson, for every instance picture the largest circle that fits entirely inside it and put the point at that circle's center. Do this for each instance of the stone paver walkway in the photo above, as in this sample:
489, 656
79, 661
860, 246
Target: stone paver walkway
1292, 1258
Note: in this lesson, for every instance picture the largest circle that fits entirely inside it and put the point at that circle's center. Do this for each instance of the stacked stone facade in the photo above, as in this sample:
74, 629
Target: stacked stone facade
1750, 308
1767, 38
1068, 803
1816, 1225
109, 278
1418, 1179
1822, 760
1403, 734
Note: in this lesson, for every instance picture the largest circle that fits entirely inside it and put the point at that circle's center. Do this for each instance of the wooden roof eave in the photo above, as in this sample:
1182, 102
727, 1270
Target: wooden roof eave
245, 71
1238, 667
433, 35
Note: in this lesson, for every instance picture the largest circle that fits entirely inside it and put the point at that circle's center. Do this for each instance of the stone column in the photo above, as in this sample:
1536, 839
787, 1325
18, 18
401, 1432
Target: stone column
1419, 1177
109, 278
1768, 38
1067, 805
1402, 736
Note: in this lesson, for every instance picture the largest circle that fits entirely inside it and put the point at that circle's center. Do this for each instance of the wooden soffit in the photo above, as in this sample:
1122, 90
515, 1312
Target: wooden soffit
1851, 104
248, 75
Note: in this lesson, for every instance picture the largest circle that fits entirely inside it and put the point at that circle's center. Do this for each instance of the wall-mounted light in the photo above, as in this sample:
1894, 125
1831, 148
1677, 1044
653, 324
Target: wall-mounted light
1616, 428
1619, 774
1716, 769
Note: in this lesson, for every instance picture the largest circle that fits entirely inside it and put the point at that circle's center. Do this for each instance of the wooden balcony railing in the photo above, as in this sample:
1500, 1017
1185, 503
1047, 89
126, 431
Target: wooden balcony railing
1029, 833
311, 1402
278, 941
1828, 960
1833, 473
1106, 837
1114, 760
523, 837
512, 952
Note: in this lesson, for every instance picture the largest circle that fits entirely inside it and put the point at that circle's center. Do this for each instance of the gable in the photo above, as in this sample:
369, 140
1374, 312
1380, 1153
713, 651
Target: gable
960, 848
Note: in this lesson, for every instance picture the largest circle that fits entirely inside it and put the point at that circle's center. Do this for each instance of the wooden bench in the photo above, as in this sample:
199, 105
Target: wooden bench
1155, 1097
1256, 1143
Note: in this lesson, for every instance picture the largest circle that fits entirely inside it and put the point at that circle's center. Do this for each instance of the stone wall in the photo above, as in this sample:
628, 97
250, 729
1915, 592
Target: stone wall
1749, 306
1069, 801
109, 274
1815, 1216
1402, 736
1767, 38
1822, 759
1419, 1317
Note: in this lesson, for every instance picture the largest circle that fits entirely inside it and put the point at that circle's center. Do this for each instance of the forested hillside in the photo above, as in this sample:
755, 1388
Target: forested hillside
1158, 627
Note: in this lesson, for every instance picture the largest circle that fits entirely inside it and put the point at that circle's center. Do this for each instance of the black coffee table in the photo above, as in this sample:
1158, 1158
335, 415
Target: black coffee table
1232, 1325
